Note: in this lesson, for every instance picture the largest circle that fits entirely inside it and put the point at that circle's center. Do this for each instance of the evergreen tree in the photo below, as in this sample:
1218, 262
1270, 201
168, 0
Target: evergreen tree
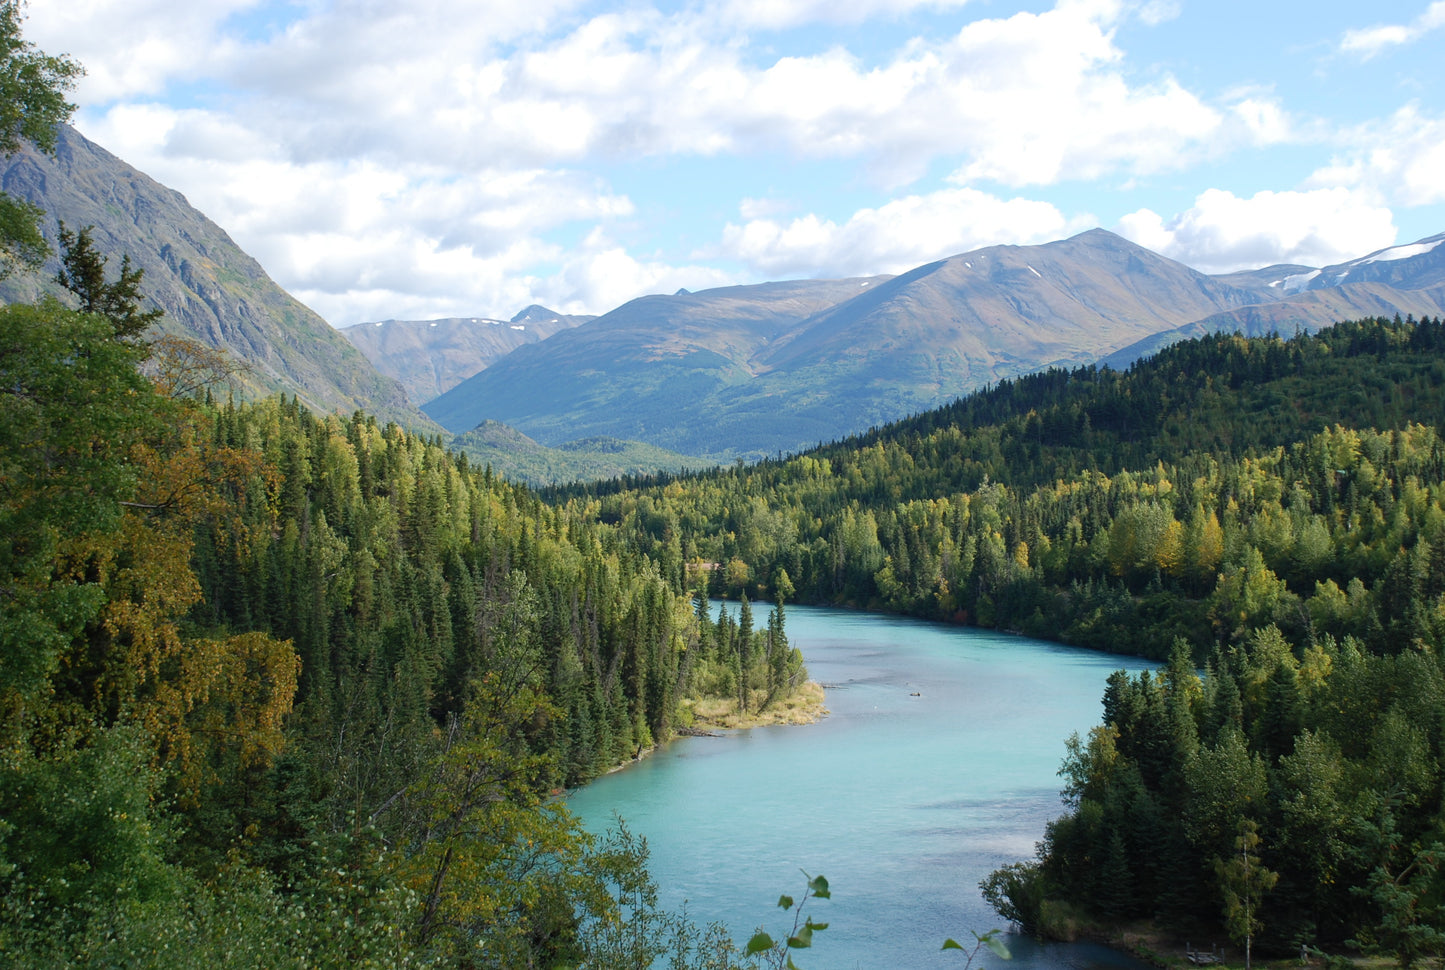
82, 272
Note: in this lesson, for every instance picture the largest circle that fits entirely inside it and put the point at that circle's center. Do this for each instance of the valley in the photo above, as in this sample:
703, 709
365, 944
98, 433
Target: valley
297, 667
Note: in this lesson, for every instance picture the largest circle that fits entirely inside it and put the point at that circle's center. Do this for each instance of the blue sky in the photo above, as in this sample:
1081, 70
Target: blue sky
412, 160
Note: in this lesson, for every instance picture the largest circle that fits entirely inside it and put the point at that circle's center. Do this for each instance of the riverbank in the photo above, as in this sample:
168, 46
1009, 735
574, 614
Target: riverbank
803, 706
1146, 942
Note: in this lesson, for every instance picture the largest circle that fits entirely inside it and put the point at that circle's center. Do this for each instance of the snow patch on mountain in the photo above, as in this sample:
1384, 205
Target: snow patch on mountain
1403, 252
1295, 283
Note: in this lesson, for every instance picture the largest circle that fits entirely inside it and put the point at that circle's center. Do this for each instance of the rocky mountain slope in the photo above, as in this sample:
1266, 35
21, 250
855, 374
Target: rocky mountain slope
430, 357
208, 287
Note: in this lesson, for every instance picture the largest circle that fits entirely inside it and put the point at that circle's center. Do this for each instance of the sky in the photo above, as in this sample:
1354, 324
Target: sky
419, 159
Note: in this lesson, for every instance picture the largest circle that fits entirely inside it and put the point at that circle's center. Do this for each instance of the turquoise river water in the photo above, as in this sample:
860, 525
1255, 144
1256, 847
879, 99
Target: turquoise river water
937, 764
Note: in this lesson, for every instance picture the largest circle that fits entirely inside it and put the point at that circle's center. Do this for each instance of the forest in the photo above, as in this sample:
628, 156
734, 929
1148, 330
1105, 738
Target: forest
1265, 515
281, 689
281, 683
275, 682
279, 680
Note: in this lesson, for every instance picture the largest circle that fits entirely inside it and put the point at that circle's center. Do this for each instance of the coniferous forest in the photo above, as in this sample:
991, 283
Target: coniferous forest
280, 683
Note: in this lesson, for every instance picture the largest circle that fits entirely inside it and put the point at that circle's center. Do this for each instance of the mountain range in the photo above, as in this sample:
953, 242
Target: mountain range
746, 371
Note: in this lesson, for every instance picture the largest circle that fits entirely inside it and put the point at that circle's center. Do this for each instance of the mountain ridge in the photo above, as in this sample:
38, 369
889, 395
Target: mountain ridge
877, 348
430, 357
733, 372
900, 345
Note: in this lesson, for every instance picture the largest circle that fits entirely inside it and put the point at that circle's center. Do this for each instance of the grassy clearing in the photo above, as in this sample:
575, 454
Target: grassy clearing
803, 706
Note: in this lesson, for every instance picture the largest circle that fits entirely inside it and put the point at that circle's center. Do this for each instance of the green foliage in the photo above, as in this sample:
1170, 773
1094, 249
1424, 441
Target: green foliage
1279, 808
82, 272
32, 107
980, 940
1243, 881
32, 86
71, 406
296, 670
1016, 892
778, 953
1118, 511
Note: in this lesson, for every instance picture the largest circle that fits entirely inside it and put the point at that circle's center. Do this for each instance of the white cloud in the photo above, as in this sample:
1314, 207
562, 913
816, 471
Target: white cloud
1023, 99
1264, 118
893, 237
134, 47
1223, 232
602, 274
353, 238
751, 209
427, 152
1038, 98
1401, 158
778, 14
1155, 12
1367, 42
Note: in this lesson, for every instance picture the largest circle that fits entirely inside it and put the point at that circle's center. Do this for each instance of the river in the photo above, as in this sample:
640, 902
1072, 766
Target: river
937, 764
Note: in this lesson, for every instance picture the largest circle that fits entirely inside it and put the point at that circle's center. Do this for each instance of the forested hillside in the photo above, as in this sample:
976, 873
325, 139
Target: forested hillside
287, 690
273, 683
1269, 510
1224, 483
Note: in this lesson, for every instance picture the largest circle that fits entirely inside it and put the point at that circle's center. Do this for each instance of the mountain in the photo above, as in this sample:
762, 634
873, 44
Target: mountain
430, 357
743, 371
1416, 266
1406, 280
643, 370
208, 287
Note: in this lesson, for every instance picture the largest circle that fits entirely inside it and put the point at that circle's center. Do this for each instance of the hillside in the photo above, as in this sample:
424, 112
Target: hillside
752, 371
990, 509
208, 287
950, 327
430, 357
641, 370
518, 458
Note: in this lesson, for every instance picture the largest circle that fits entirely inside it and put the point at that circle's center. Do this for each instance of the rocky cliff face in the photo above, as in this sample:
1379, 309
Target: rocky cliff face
430, 357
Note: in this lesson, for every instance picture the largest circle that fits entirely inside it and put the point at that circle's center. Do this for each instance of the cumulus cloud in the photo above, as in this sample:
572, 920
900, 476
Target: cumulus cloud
134, 47
893, 237
1401, 158
1022, 98
601, 273
1222, 232
430, 154
1367, 42
778, 14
